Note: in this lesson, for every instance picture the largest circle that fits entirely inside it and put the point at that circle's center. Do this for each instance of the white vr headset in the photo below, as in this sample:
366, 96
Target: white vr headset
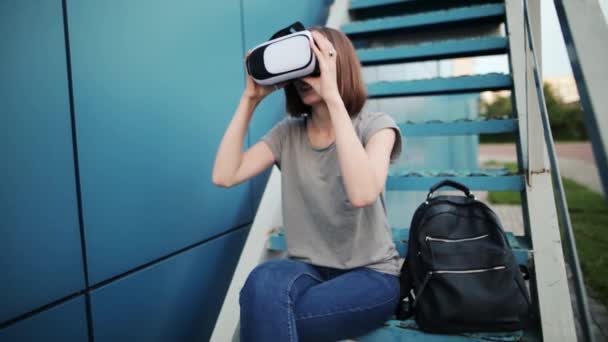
287, 56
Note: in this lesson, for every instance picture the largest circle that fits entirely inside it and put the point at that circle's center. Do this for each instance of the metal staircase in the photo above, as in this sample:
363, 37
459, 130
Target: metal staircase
540, 248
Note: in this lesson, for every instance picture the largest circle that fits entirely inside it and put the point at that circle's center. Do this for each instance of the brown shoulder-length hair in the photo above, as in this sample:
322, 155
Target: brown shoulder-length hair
348, 74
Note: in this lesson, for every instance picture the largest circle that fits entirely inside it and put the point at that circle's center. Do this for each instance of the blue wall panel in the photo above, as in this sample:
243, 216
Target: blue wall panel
261, 19
65, 322
40, 254
175, 300
155, 85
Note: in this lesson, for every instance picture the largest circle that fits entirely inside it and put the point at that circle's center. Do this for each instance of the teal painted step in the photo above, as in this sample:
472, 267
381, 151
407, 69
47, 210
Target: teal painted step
483, 179
434, 50
363, 4
406, 331
435, 86
520, 248
276, 241
458, 127
455, 16
358, 5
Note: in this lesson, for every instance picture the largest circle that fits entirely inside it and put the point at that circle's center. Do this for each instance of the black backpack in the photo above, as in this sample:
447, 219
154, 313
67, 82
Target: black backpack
460, 274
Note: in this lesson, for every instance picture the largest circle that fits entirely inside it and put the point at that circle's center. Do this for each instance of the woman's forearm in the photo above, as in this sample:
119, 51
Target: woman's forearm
230, 151
357, 172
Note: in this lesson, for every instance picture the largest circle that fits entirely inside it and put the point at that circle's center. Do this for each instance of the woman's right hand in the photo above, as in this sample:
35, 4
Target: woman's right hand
257, 92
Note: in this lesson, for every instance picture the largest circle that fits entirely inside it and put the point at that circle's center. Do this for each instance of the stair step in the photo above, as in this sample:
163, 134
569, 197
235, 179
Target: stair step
456, 16
276, 242
407, 330
365, 4
458, 127
367, 9
484, 179
436, 50
359, 5
441, 85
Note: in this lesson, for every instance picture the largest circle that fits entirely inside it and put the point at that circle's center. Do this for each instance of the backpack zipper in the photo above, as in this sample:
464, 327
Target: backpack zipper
429, 238
481, 270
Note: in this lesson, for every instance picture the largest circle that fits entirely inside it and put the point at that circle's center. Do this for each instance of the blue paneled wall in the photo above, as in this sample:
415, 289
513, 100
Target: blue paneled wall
40, 252
153, 94
111, 113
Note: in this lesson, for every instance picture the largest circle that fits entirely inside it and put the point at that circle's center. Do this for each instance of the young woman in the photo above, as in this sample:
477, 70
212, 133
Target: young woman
340, 279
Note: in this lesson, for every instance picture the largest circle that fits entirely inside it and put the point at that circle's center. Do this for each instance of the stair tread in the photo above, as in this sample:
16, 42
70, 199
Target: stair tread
277, 242
406, 330
434, 50
439, 17
360, 4
480, 179
458, 127
440, 85
451, 173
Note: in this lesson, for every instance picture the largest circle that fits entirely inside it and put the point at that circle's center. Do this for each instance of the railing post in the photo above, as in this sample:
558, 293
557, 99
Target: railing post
560, 200
536, 147
552, 295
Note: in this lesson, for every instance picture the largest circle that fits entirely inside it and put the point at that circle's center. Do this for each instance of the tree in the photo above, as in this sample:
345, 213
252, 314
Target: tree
500, 108
566, 119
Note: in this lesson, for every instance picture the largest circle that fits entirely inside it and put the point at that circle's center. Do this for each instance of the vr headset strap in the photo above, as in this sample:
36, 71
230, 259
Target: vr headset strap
297, 26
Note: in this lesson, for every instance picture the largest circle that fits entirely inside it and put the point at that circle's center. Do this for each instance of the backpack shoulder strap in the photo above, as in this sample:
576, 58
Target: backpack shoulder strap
404, 307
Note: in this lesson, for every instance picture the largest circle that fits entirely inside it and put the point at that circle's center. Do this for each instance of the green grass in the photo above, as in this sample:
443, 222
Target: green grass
503, 197
589, 215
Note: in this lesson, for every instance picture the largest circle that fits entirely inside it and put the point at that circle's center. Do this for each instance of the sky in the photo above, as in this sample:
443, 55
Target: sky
555, 60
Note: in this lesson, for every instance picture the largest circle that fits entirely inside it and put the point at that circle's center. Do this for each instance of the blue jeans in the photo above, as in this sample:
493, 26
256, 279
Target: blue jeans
289, 300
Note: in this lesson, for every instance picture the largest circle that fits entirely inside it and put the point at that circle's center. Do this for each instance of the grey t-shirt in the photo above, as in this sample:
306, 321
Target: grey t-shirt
321, 226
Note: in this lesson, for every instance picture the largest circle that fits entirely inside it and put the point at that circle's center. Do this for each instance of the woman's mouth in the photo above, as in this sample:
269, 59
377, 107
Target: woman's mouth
303, 87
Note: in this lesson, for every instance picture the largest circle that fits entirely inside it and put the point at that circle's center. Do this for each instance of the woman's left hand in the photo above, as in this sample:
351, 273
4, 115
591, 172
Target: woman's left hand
325, 85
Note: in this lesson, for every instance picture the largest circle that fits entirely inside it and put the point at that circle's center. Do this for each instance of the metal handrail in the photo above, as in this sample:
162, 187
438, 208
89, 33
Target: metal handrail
562, 205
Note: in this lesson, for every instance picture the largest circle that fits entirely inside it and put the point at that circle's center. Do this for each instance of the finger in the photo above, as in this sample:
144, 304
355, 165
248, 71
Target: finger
320, 56
324, 44
315, 49
318, 40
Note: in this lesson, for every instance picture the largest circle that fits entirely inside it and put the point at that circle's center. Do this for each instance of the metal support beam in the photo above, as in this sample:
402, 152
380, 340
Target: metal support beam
585, 32
518, 62
553, 296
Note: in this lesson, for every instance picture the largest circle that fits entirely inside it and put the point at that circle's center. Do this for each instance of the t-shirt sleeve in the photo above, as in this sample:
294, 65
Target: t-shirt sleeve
375, 122
276, 137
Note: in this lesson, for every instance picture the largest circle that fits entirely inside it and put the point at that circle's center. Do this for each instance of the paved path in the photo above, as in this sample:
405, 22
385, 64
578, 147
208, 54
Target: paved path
575, 162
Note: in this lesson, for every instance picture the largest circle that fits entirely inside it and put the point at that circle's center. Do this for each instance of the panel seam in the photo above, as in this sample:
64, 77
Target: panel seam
87, 290
68, 56
165, 257
252, 182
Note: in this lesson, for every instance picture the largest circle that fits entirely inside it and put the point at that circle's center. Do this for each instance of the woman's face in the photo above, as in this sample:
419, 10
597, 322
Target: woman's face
308, 95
